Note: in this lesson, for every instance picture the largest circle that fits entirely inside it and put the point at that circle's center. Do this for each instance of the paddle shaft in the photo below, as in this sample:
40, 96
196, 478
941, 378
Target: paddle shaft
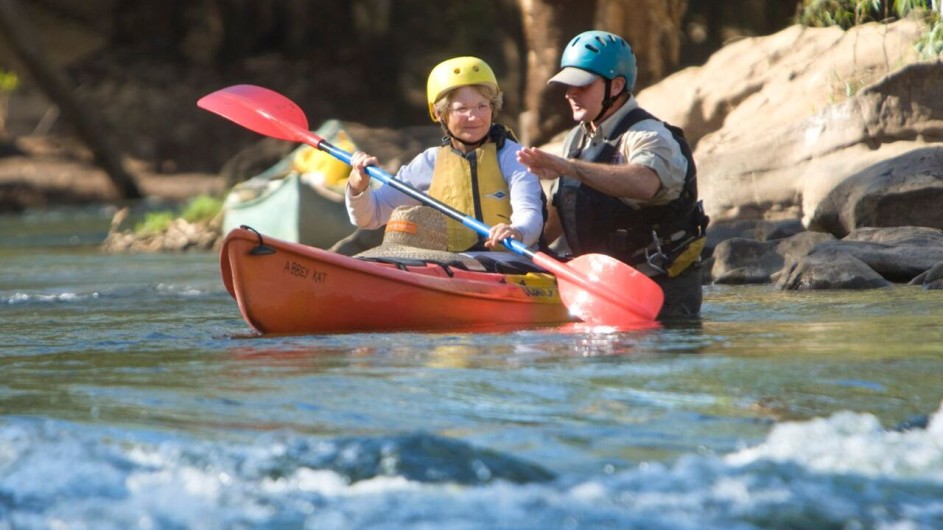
390, 180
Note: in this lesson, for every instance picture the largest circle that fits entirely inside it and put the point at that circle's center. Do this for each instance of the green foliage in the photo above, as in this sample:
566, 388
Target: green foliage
154, 223
8, 81
905, 7
199, 209
848, 13
931, 43
842, 13
202, 208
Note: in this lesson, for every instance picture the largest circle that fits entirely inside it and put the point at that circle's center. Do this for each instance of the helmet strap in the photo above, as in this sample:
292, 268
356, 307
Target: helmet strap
608, 100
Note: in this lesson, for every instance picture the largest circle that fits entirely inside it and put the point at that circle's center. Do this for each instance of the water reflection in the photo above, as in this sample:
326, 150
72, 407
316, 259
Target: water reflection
464, 350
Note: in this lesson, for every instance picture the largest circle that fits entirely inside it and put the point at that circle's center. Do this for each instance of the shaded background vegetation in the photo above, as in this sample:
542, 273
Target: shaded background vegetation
140, 65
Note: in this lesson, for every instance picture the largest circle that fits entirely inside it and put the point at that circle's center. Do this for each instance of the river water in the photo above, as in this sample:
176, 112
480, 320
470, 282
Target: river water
133, 395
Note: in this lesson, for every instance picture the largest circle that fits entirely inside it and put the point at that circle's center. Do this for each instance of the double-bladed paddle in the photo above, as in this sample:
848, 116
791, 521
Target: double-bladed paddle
596, 288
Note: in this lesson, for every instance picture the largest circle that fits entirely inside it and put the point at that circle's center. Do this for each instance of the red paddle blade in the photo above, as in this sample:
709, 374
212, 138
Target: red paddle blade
601, 290
258, 109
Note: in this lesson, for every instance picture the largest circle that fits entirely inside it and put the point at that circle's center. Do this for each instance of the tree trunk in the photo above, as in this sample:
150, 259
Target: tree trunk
548, 26
54, 84
652, 27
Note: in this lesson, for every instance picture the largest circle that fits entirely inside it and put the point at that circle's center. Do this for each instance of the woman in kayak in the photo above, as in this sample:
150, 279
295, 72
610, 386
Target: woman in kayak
475, 170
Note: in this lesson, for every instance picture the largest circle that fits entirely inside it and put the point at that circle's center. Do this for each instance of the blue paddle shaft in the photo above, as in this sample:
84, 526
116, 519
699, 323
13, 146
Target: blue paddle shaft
386, 178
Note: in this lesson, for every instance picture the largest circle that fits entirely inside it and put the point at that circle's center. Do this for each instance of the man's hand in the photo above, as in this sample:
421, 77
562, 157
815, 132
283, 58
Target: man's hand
544, 164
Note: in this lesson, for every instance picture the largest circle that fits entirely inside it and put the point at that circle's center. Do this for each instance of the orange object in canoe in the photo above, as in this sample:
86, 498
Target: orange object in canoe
283, 287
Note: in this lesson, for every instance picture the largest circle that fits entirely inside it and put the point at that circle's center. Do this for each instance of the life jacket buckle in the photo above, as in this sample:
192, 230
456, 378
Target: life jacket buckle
657, 260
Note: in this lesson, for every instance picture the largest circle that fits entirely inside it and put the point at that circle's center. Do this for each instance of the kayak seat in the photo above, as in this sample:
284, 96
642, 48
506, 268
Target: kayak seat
495, 262
405, 263
505, 263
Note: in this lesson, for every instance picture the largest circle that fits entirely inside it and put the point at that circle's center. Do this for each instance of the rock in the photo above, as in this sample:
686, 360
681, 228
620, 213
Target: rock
724, 230
744, 261
754, 83
803, 137
741, 261
900, 253
787, 136
794, 248
771, 230
750, 229
831, 268
901, 235
906, 190
816, 260
931, 279
180, 236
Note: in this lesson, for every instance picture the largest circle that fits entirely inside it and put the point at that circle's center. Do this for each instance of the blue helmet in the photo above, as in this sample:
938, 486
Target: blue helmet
602, 53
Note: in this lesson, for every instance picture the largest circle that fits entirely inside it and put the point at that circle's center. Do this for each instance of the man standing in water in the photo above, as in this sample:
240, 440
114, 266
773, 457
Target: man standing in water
627, 182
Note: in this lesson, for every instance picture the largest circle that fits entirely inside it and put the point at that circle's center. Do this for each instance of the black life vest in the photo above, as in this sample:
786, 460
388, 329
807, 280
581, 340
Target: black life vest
595, 222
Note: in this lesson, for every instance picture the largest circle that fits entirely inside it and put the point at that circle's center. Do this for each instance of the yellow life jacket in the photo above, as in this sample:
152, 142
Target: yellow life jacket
473, 185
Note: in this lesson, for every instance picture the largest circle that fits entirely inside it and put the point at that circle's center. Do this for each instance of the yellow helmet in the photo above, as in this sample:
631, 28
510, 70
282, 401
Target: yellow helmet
454, 73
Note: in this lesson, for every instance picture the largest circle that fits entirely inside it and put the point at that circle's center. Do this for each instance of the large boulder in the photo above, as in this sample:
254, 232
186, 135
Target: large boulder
905, 190
743, 261
831, 268
897, 253
780, 121
753, 83
789, 167
864, 259
821, 128
932, 279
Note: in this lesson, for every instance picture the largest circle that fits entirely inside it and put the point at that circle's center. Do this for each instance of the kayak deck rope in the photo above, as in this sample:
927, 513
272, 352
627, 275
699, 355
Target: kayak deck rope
261, 249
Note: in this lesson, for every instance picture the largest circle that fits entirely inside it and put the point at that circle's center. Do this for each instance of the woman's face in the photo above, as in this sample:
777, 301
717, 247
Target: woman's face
468, 115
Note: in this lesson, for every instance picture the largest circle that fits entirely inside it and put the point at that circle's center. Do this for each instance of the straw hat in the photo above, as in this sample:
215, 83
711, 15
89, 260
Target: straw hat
418, 233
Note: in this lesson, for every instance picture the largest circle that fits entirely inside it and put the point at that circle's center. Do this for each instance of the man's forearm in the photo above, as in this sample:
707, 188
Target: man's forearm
632, 181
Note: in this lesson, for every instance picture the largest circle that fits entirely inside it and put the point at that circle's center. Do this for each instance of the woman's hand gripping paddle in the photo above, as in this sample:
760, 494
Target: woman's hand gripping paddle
597, 289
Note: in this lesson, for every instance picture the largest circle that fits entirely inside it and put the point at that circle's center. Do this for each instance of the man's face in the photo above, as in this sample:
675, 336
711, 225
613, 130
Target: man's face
586, 101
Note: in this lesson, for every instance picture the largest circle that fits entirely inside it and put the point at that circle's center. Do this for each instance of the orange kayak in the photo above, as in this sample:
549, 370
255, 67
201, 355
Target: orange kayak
283, 287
